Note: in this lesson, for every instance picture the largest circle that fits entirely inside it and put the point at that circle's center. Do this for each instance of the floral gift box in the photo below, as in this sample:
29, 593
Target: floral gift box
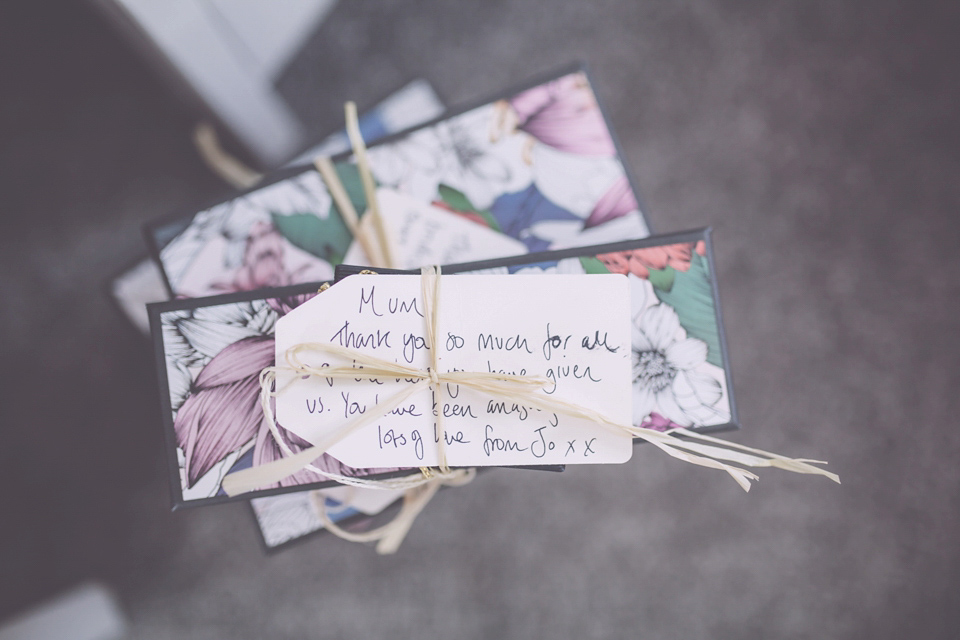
681, 377
537, 165
210, 353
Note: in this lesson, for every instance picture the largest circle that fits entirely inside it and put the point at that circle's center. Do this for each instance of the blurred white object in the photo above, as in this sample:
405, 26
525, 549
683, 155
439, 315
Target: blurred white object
228, 54
415, 103
89, 612
136, 288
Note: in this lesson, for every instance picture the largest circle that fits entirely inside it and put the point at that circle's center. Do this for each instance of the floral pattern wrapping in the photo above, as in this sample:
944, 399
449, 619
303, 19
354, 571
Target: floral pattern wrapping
290, 516
539, 166
213, 359
679, 377
214, 355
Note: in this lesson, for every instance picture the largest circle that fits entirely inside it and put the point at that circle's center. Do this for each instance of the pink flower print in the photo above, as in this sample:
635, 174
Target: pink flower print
617, 201
285, 305
564, 114
222, 414
658, 423
640, 261
262, 260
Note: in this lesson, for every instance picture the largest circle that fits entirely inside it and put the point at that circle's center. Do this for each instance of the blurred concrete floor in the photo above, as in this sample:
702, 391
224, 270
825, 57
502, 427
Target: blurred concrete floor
819, 139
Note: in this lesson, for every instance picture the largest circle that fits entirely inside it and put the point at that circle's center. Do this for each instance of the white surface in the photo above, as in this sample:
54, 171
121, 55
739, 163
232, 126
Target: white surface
89, 612
213, 54
138, 287
271, 32
504, 323
421, 234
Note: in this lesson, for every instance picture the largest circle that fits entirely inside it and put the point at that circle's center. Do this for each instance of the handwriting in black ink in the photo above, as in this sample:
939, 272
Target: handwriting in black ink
566, 371
454, 342
411, 344
491, 444
597, 342
457, 410
449, 438
502, 407
490, 368
417, 443
351, 408
540, 445
589, 446
315, 406
553, 342
351, 340
396, 305
389, 437
497, 343
365, 299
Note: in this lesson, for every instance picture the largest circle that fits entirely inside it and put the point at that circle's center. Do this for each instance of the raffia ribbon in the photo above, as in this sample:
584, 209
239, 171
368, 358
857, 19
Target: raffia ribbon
371, 233
511, 387
695, 448
525, 390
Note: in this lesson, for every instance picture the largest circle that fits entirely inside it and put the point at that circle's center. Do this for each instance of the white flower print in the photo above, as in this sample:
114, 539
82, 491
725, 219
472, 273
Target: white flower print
574, 182
563, 234
214, 243
666, 379
286, 516
458, 153
192, 337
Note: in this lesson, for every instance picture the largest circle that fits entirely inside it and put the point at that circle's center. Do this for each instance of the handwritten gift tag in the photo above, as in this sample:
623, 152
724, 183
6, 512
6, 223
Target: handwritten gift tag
424, 234
574, 330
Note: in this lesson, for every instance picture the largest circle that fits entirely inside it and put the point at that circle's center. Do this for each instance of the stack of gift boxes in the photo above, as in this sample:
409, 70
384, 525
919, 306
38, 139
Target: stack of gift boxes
530, 181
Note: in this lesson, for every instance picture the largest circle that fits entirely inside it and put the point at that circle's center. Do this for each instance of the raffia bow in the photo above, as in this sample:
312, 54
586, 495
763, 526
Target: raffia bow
373, 237
420, 487
693, 447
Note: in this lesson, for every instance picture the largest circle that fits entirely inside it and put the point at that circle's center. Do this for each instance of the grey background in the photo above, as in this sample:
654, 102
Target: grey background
819, 139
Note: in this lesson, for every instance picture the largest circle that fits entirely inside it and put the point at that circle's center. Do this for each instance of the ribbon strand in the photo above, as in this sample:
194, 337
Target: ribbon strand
525, 390
391, 535
371, 232
420, 487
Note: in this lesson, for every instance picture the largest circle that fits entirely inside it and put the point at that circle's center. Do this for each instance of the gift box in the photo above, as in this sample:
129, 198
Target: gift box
535, 168
542, 112
288, 518
531, 169
292, 517
143, 281
211, 351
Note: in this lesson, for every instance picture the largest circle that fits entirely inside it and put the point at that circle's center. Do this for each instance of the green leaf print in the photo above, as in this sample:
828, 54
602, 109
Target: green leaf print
662, 279
457, 201
592, 265
325, 238
692, 297
350, 177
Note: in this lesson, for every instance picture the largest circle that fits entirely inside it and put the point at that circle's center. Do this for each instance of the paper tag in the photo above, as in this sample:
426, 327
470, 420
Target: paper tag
424, 234
572, 329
